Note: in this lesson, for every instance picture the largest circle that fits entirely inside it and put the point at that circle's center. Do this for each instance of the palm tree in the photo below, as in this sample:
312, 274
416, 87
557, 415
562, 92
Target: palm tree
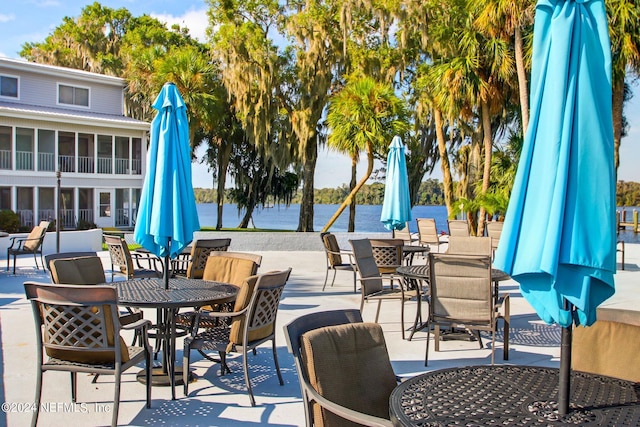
507, 20
624, 31
363, 116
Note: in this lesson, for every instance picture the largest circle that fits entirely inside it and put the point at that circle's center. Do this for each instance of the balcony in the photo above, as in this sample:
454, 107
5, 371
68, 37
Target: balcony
67, 163
5, 159
46, 162
122, 166
85, 164
24, 160
105, 165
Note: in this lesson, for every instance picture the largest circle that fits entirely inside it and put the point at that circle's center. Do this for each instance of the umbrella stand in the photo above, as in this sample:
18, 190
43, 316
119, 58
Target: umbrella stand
564, 387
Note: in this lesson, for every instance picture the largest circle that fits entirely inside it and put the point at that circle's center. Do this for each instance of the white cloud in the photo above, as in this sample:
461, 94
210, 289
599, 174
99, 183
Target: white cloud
7, 18
195, 20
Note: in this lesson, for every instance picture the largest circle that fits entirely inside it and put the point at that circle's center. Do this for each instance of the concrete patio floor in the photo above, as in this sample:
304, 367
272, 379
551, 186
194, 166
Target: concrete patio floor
222, 401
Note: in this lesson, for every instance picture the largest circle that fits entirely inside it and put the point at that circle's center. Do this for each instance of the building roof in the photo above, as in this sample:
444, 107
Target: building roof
53, 70
34, 112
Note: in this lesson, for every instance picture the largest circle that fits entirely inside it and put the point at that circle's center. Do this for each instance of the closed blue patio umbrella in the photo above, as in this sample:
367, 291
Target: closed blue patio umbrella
396, 208
167, 215
558, 239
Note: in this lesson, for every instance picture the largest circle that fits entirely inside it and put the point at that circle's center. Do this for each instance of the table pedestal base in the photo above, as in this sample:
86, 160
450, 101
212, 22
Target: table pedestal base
161, 378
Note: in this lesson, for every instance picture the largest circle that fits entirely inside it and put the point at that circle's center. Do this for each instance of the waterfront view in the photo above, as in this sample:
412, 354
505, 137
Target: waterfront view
281, 217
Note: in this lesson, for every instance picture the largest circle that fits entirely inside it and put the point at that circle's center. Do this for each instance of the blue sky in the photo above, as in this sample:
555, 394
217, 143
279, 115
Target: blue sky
32, 20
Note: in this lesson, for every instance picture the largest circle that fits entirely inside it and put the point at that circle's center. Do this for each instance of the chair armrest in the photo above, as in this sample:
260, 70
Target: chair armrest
21, 240
344, 412
503, 303
138, 324
149, 258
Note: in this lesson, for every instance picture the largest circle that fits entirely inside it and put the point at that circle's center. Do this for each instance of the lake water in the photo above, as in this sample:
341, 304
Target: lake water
286, 218
367, 218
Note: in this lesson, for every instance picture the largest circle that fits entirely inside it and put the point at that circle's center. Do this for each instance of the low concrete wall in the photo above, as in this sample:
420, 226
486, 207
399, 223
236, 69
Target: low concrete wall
279, 241
70, 241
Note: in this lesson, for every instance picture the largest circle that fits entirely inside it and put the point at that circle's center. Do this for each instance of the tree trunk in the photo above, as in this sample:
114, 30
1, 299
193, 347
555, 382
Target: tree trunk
352, 185
353, 193
522, 81
618, 108
305, 221
447, 181
224, 150
244, 222
486, 175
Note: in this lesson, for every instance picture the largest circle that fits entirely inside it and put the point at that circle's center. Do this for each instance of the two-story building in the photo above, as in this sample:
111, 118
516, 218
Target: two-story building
55, 119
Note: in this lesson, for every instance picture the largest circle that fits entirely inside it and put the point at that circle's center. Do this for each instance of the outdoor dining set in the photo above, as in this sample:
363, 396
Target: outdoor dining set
229, 307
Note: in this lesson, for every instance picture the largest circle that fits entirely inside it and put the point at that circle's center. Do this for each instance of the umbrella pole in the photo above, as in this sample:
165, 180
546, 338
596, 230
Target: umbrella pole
167, 263
564, 389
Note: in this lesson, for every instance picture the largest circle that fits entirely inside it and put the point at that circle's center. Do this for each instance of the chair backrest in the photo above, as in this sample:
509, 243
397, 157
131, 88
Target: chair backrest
59, 255
319, 319
460, 287
338, 360
367, 268
229, 269
260, 294
494, 230
36, 236
332, 248
387, 253
256, 258
78, 271
120, 255
200, 250
458, 227
469, 245
403, 234
427, 231
77, 323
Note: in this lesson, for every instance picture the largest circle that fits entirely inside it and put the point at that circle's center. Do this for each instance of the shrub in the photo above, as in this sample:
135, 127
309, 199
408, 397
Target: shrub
9, 221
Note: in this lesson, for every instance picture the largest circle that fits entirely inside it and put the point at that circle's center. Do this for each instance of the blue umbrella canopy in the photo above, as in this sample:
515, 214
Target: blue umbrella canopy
559, 235
167, 215
396, 208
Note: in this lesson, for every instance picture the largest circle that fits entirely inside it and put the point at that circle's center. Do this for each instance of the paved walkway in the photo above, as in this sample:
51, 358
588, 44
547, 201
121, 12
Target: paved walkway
222, 401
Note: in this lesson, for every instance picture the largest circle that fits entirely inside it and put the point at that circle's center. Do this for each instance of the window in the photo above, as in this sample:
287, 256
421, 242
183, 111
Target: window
73, 95
9, 86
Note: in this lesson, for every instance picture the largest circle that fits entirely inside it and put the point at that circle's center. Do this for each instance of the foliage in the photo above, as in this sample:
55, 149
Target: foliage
430, 193
270, 72
86, 225
628, 193
9, 221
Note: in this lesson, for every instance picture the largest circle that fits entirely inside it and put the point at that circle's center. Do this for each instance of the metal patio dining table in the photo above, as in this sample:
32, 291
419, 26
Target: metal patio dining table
182, 292
512, 395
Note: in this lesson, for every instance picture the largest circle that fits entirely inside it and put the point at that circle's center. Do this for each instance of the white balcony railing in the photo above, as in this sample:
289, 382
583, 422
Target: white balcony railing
85, 215
122, 217
105, 165
26, 217
85, 164
46, 162
5, 159
24, 160
122, 166
67, 219
46, 215
136, 166
67, 163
